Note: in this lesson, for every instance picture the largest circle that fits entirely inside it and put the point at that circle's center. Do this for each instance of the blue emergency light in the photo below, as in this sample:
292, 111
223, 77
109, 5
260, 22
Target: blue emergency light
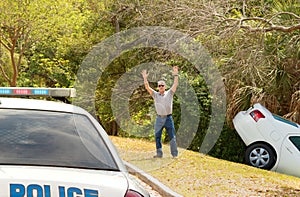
5, 91
40, 92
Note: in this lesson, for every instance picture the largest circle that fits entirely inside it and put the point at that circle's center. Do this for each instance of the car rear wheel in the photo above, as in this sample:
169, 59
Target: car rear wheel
260, 156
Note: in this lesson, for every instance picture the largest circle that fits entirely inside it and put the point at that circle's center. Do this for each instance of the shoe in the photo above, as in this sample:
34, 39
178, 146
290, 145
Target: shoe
175, 157
157, 156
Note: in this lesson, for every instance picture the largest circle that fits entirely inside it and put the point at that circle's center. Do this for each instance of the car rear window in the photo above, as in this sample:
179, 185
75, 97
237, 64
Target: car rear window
30, 137
284, 120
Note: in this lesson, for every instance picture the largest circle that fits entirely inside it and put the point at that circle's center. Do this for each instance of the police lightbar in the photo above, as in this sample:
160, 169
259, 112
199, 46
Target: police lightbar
29, 91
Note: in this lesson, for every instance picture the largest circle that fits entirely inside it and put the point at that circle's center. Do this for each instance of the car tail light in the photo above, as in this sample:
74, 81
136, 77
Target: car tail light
131, 193
256, 115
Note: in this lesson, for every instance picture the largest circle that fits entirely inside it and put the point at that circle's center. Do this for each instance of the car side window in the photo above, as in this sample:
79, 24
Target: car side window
296, 141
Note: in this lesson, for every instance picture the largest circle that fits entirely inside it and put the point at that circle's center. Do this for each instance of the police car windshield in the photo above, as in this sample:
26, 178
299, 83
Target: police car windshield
45, 138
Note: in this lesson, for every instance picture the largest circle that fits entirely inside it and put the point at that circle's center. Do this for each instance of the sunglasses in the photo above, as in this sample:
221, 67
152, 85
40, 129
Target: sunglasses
161, 86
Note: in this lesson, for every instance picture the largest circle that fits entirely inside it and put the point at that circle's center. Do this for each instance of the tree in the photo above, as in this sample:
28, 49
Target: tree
264, 68
254, 43
50, 36
14, 32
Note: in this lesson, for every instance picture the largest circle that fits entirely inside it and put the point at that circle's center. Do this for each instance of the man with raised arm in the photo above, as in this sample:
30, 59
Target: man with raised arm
163, 101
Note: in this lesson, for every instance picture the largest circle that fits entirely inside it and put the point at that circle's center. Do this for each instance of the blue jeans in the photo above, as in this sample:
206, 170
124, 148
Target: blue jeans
167, 123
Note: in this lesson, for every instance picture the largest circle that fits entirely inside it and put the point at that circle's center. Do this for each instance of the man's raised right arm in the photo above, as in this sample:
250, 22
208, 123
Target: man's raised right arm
146, 83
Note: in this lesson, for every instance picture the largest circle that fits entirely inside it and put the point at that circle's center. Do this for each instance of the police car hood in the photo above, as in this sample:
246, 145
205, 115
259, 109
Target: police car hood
25, 181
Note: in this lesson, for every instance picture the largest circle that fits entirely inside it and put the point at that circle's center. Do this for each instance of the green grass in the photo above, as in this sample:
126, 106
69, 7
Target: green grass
194, 174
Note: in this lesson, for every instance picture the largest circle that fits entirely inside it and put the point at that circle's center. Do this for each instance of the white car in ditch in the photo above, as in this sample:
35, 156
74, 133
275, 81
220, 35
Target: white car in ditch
272, 142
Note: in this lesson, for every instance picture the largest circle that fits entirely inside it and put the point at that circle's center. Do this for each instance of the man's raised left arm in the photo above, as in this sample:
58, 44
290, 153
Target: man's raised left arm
175, 74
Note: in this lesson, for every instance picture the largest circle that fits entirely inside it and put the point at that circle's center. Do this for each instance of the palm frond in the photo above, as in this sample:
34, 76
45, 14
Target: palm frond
294, 114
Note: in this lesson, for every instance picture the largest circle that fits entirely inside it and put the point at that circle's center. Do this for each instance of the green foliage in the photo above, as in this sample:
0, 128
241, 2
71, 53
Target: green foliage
140, 102
6, 64
229, 146
257, 66
53, 38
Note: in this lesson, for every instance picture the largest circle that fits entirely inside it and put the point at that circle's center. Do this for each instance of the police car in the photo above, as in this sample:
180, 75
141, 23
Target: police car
54, 149
272, 142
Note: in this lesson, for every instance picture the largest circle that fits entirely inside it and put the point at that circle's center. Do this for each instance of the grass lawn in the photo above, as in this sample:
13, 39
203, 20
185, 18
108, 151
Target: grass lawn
194, 174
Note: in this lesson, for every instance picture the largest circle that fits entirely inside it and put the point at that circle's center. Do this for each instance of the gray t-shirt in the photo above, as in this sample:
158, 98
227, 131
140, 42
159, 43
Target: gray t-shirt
163, 103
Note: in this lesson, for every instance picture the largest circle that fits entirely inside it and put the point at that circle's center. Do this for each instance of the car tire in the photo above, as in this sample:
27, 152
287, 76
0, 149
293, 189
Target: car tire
261, 156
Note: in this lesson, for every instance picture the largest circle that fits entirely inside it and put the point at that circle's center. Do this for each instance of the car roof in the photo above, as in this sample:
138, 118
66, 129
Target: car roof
36, 104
